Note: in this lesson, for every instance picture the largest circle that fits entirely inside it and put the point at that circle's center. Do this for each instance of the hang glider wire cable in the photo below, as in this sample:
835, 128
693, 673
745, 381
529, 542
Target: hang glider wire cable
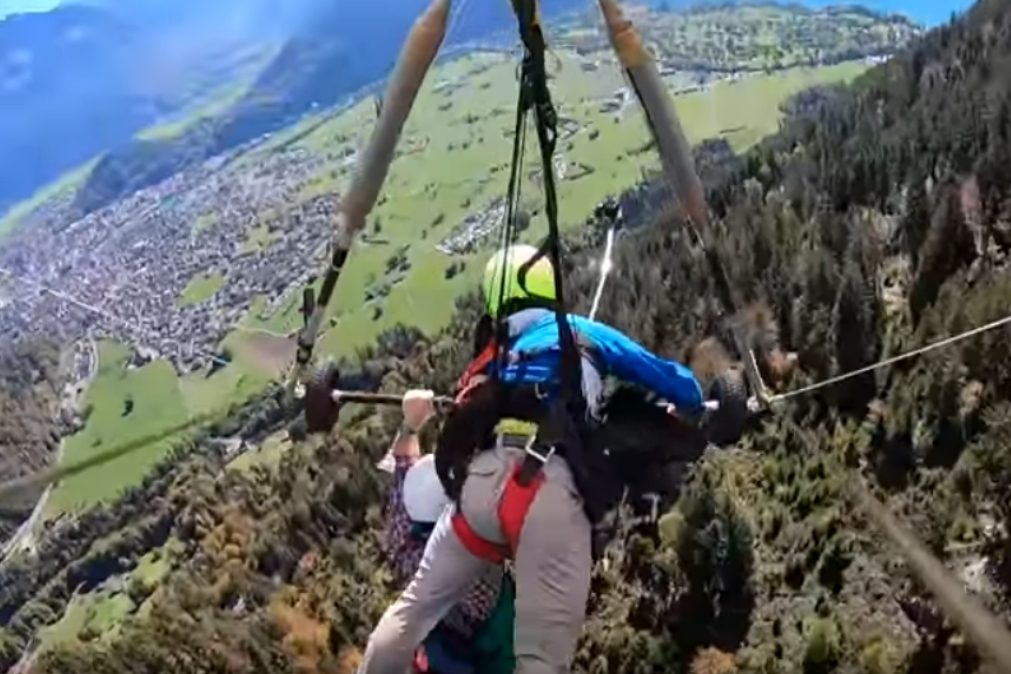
606, 266
933, 346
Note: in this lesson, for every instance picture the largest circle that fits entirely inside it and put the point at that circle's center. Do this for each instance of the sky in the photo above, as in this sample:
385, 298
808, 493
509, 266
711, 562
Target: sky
929, 12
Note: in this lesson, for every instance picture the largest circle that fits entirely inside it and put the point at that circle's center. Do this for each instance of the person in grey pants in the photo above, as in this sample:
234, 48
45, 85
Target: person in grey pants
552, 565
552, 556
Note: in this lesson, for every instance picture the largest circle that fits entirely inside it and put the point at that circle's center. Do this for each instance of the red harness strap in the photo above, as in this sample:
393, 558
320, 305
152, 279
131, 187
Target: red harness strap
515, 505
476, 367
516, 499
512, 514
475, 544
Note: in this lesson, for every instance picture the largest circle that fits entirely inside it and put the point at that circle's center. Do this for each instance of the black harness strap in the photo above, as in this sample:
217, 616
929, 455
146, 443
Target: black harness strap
563, 430
523, 105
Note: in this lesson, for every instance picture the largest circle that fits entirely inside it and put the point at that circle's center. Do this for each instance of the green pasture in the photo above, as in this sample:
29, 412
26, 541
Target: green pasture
452, 162
201, 288
126, 404
131, 403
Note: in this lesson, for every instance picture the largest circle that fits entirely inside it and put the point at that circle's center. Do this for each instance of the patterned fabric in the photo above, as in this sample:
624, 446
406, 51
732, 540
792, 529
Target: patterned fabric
405, 548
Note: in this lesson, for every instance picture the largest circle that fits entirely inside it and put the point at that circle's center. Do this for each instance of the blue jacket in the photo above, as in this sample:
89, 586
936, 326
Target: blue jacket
535, 357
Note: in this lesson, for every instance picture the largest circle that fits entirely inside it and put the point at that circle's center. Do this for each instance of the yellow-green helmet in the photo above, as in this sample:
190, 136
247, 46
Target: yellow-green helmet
504, 268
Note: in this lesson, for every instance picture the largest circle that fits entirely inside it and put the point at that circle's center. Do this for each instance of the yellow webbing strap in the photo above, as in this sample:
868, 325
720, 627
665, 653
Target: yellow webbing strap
518, 427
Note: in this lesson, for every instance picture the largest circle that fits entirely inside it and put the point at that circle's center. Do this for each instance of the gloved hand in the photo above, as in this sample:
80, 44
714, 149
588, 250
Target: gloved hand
418, 407
724, 413
696, 418
321, 412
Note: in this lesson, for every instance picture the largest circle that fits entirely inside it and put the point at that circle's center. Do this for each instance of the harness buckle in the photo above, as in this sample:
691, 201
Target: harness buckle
533, 462
534, 454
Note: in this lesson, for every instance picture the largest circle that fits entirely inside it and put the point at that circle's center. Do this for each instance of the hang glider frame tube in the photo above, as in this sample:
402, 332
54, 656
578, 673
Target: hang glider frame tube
416, 59
679, 168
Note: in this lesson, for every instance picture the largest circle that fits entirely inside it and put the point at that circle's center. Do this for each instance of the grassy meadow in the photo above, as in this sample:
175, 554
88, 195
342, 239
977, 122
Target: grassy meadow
201, 288
452, 162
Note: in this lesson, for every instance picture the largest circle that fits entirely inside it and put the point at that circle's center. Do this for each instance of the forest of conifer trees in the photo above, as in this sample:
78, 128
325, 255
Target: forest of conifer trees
877, 219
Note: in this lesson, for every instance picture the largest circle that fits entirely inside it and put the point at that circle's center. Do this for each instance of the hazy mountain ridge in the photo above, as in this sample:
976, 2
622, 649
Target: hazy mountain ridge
80, 80
852, 233
143, 60
46, 62
320, 70
347, 49
150, 61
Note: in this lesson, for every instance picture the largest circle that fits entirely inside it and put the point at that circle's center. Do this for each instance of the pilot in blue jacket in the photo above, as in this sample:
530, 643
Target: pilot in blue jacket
543, 527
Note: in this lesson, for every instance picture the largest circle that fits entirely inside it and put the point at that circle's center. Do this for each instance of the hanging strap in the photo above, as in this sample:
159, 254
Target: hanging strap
564, 427
477, 366
535, 81
515, 505
513, 508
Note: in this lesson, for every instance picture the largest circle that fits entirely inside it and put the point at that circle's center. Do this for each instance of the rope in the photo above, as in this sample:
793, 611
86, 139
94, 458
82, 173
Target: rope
606, 265
981, 626
891, 361
508, 235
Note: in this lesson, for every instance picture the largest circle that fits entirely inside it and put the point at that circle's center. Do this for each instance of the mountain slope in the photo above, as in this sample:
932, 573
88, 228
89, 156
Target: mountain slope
323, 67
82, 80
347, 48
875, 221
52, 104
79, 80
30, 427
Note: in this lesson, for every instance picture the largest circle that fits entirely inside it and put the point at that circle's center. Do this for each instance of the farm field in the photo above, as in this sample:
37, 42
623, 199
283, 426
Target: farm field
201, 288
452, 165
126, 405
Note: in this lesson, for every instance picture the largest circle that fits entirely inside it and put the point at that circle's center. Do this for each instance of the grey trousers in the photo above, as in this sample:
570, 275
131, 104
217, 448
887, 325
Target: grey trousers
552, 568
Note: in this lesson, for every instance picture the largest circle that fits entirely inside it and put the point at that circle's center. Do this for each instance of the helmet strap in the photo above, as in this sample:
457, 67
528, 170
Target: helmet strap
521, 274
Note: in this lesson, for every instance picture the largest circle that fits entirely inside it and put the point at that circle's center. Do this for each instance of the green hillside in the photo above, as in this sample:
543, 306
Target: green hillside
850, 238
420, 253
457, 169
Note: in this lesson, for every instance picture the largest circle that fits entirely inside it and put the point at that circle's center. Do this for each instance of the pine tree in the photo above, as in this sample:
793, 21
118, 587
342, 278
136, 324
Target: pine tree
916, 219
947, 246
